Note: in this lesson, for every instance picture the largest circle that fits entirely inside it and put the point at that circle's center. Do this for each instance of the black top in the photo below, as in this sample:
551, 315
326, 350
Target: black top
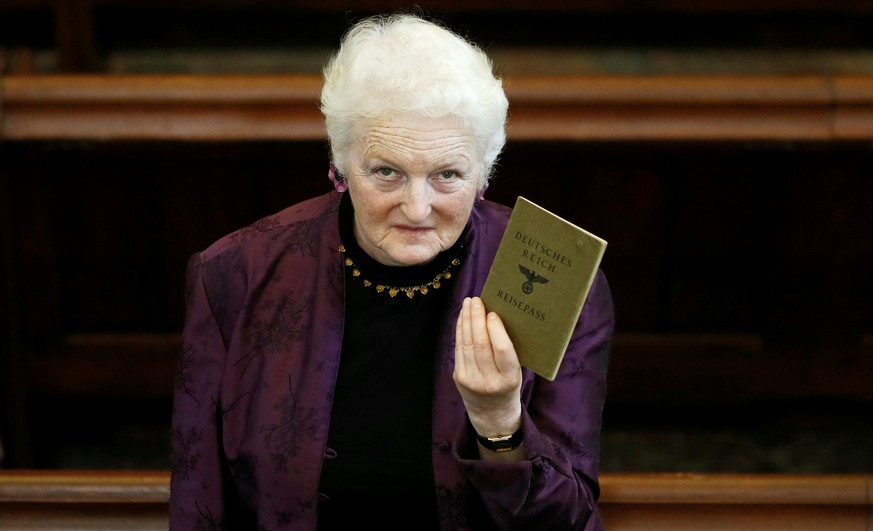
380, 429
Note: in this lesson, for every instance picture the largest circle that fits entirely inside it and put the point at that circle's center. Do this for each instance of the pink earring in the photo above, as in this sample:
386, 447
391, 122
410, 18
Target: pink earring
482, 191
339, 183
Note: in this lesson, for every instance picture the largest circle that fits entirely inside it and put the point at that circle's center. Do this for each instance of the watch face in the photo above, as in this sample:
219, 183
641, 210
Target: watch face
498, 444
501, 444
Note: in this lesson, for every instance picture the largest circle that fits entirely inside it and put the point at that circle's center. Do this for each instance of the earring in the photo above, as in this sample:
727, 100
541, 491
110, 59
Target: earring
339, 183
482, 191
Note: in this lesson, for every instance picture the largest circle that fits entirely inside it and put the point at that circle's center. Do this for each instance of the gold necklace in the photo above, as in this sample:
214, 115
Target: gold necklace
409, 290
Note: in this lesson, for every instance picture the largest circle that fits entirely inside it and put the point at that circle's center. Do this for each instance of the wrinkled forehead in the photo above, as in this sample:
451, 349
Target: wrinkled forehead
420, 139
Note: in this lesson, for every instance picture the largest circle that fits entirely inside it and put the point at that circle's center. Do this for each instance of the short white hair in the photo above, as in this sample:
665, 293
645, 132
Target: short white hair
402, 64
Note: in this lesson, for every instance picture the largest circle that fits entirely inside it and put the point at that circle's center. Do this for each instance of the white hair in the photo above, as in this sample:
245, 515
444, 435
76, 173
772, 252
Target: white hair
401, 64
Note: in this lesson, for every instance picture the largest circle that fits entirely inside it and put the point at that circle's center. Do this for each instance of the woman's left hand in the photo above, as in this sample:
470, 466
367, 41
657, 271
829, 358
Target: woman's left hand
487, 371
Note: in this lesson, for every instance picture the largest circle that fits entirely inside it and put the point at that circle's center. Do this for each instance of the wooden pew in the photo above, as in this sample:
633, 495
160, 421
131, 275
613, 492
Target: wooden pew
72, 499
543, 107
744, 502
133, 500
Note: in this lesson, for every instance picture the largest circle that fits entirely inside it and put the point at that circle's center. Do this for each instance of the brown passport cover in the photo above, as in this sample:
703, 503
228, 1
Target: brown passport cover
539, 281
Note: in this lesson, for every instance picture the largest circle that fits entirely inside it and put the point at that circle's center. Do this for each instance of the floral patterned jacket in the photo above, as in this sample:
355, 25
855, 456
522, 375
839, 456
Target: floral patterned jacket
258, 365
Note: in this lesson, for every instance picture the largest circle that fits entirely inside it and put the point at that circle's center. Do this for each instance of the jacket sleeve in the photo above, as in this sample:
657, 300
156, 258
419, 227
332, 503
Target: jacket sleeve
556, 486
196, 484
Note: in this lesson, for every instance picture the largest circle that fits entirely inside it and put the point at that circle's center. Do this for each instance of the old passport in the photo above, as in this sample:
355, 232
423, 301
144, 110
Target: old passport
539, 281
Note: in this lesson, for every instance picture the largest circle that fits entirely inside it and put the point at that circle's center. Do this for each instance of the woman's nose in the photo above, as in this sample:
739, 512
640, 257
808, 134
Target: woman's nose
417, 200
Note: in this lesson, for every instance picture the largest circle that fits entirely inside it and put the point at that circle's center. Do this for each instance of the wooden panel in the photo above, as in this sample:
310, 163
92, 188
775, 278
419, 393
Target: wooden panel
761, 489
284, 107
83, 516
668, 108
162, 107
854, 119
705, 517
138, 500
632, 502
92, 486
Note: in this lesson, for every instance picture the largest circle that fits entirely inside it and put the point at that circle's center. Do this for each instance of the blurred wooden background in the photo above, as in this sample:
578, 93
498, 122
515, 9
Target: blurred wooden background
722, 148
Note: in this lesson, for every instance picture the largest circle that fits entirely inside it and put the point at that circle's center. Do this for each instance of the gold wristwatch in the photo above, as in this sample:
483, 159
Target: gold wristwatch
501, 443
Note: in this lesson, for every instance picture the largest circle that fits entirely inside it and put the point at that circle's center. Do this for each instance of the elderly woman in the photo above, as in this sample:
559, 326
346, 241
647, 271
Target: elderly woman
338, 367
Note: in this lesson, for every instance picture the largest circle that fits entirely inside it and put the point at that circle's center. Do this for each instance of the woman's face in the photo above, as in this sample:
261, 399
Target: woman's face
413, 182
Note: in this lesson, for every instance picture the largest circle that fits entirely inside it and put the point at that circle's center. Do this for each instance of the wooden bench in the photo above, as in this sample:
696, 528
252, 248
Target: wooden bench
106, 500
133, 500
543, 107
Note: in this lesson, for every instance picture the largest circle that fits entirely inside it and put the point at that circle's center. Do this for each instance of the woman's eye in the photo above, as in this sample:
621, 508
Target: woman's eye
449, 174
386, 173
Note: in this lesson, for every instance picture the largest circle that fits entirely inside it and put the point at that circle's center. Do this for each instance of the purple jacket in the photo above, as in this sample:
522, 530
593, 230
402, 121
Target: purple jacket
261, 347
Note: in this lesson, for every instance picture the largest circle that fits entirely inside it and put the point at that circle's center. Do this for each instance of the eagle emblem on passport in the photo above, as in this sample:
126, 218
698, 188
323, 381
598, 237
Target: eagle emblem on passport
532, 277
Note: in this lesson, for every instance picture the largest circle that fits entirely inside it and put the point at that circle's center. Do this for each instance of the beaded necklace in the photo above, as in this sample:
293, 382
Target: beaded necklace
410, 291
